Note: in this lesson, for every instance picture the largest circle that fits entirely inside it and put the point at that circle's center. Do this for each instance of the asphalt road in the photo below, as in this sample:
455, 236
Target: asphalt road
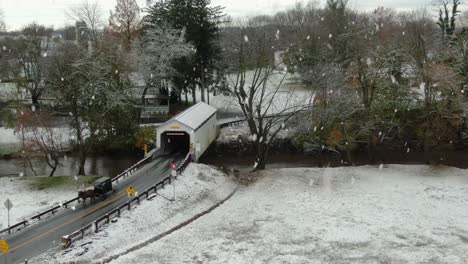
38, 238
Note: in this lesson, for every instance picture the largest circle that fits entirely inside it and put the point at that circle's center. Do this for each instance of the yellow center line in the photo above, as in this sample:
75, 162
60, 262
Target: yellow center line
69, 222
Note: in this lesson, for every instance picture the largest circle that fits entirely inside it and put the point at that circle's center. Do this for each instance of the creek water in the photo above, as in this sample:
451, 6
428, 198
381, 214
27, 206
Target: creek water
456, 158
108, 166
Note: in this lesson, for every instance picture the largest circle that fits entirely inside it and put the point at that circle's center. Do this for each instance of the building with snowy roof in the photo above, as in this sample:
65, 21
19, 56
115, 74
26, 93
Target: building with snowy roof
190, 131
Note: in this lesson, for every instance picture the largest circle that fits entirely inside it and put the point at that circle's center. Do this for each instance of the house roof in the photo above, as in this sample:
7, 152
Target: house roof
195, 116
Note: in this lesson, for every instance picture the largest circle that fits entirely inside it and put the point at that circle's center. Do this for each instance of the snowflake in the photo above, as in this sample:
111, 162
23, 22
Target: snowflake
246, 38
277, 34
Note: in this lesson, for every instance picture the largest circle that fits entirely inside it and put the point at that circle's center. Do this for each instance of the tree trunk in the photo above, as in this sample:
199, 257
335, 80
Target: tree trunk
370, 150
262, 155
81, 169
35, 101
54, 168
194, 94
81, 147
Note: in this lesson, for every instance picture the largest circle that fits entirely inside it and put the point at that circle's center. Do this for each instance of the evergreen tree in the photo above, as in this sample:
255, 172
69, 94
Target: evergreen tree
200, 22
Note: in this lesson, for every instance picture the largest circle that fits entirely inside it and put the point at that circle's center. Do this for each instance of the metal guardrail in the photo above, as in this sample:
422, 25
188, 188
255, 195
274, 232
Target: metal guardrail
95, 226
130, 171
56, 209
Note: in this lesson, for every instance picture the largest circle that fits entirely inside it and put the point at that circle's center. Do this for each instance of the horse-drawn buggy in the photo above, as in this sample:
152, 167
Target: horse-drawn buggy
102, 187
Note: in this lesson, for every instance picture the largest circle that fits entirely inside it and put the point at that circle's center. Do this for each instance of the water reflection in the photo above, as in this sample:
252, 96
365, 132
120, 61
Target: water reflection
108, 166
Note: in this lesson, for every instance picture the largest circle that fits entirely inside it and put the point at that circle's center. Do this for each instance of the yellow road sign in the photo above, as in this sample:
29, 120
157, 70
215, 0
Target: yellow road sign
4, 246
131, 191
145, 149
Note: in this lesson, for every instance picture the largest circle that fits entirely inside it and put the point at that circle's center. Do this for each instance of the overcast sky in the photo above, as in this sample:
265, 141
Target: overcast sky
17, 13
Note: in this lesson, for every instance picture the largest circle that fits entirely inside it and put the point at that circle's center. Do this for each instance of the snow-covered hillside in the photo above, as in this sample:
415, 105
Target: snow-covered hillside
199, 188
394, 214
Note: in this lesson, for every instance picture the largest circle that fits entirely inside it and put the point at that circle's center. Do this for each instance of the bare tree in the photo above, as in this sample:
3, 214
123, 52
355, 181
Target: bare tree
89, 13
447, 16
265, 107
26, 59
419, 43
125, 21
2, 22
44, 140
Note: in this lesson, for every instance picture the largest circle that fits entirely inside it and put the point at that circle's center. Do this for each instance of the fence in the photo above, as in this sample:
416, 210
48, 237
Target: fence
54, 210
95, 226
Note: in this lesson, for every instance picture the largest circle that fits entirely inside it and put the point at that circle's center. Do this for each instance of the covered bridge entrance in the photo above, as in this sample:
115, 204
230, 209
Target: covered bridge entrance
190, 131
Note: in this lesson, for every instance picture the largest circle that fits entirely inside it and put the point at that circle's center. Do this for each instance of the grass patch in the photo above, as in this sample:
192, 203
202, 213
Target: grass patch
8, 149
42, 183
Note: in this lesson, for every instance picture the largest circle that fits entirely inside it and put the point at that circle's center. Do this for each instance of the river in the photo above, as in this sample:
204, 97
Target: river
108, 166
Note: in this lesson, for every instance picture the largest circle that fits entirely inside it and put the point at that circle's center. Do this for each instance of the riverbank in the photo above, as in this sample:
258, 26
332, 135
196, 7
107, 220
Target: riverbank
234, 149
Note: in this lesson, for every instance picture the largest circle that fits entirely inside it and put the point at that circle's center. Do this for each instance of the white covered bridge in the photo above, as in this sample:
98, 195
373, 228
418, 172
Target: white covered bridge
190, 131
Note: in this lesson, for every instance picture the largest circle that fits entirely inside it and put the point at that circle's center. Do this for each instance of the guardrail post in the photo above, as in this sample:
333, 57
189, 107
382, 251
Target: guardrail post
129, 205
96, 225
138, 200
118, 212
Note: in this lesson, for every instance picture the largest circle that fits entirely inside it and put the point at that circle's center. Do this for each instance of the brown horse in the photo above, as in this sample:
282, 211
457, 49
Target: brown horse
85, 195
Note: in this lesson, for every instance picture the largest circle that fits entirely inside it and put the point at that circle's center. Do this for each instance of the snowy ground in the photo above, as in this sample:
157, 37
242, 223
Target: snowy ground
8, 136
291, 93
199, 188
397, 214
27, 201
241, 132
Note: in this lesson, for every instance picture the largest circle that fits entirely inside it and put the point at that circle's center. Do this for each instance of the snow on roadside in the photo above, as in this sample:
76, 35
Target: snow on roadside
400, 214
27, 201
199, 188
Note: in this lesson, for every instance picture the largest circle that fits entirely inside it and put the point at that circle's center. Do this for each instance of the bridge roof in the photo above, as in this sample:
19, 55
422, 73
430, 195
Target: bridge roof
195, 116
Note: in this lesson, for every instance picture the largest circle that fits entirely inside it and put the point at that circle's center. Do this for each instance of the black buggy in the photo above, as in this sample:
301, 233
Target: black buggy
102, 186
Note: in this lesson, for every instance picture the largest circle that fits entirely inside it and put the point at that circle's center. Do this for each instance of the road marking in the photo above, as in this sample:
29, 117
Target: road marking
69, 222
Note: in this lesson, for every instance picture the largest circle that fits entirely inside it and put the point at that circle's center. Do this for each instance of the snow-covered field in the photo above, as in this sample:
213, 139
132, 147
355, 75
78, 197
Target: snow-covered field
291, 93
241, 132
8, 137
27, 201
394, 214
199, 188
